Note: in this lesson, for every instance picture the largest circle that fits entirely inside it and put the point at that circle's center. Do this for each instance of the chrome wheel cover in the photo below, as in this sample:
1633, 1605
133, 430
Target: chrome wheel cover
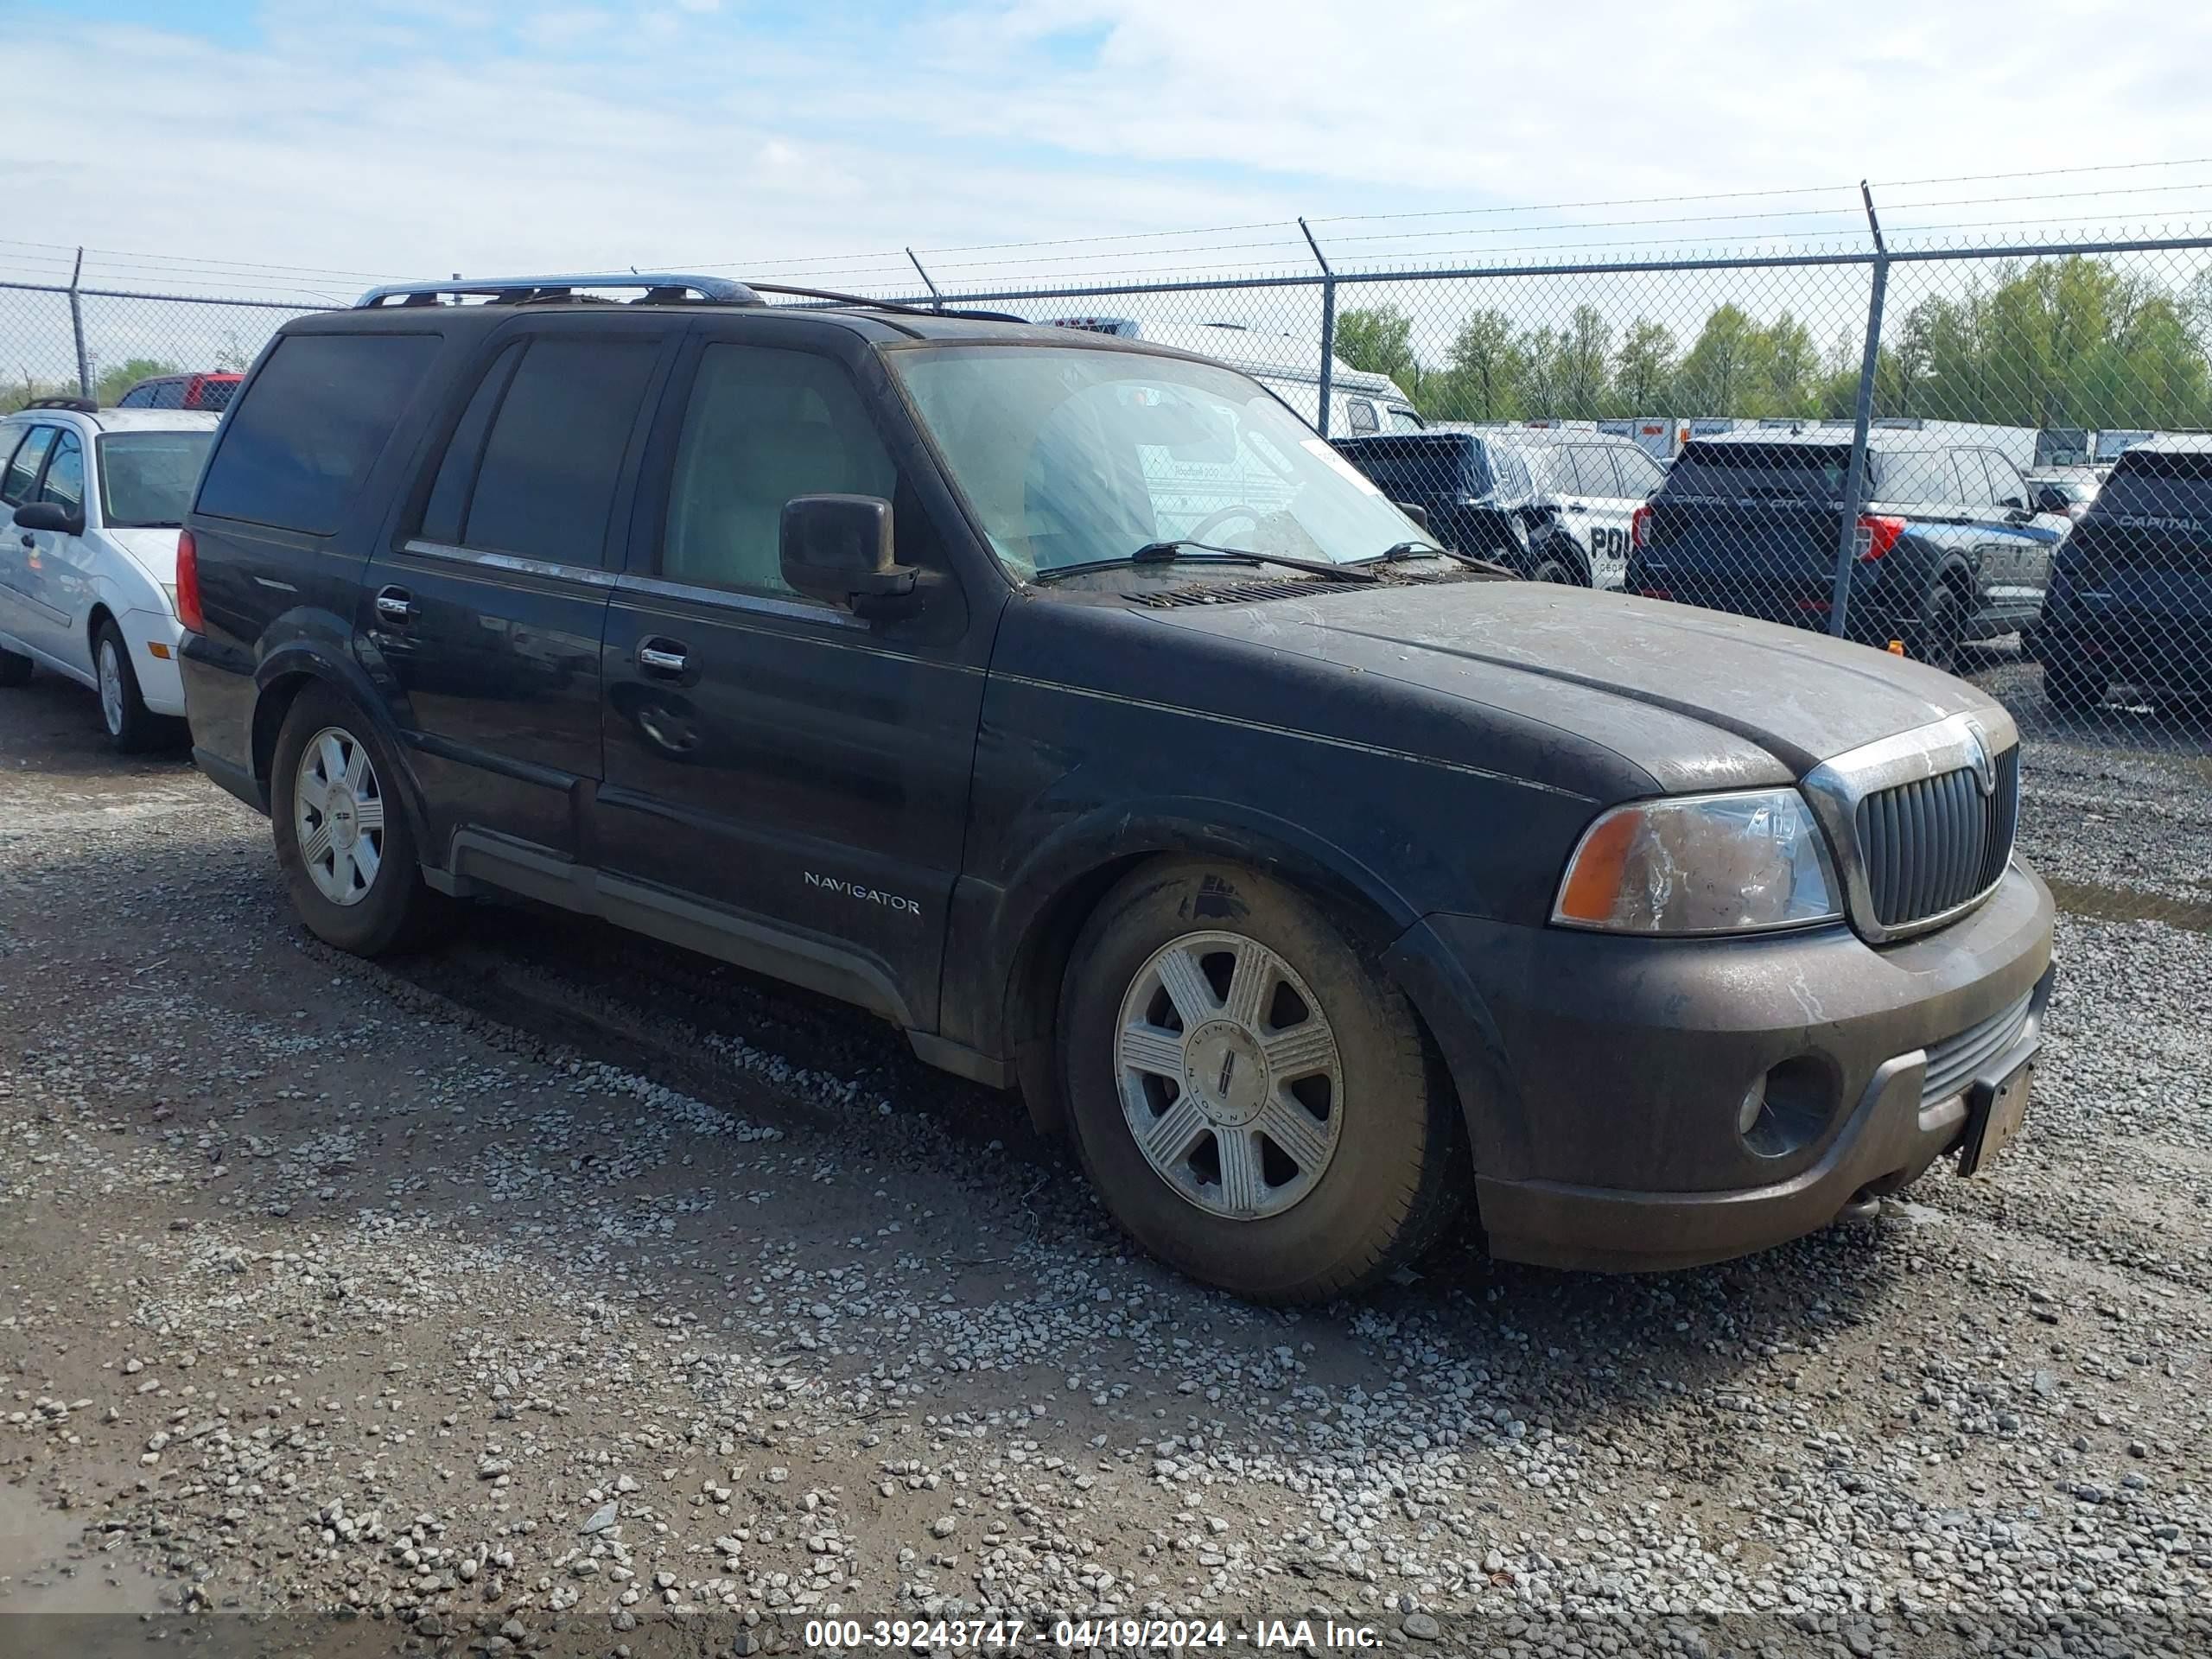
1229, 1074
110, 688
337, 816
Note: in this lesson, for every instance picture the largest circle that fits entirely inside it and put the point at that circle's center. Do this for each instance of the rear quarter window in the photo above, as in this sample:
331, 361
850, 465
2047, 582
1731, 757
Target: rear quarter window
301, 440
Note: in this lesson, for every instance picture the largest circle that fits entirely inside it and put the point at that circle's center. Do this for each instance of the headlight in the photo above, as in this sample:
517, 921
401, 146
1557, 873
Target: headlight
1734, 863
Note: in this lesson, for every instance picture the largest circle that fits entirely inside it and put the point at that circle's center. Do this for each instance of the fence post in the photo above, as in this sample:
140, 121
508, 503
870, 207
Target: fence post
77, 328
1854, 481
937, 300
1328, 323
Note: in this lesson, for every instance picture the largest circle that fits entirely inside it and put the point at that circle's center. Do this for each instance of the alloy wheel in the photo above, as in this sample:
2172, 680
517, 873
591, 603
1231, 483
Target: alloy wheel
1230, 1075
338, 815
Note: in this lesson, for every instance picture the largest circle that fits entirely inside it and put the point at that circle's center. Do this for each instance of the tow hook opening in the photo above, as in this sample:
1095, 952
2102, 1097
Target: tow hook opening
1865, 1204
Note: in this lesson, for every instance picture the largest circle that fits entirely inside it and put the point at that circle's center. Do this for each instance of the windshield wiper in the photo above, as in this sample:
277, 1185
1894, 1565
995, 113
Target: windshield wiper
1172, 551
1400, 550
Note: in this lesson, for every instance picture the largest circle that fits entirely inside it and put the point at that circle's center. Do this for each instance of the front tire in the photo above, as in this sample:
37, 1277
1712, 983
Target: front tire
132, 728
342, 835
1550, 561
1252, 1100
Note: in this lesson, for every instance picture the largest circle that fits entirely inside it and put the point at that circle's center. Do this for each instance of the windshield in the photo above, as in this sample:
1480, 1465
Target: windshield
146, 477
1068, 456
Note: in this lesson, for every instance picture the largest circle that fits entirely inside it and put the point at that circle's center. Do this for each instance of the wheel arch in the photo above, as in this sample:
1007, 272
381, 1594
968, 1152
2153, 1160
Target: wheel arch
280, 679
1060, 887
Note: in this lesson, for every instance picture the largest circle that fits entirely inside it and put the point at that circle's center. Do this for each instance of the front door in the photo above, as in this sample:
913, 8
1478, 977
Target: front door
58, 582
786, 785
482, 619
20, 550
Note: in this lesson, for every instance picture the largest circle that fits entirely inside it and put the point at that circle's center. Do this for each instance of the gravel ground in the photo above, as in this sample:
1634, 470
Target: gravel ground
559, 1293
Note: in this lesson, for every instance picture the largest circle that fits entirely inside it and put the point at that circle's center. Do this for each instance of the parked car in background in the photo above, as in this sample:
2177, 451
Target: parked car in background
2129, 600
1065, 700
1359, 401
1950, 547
88, 562
2112, 442
1472, 489
2067, 490
1592, 483
210, 390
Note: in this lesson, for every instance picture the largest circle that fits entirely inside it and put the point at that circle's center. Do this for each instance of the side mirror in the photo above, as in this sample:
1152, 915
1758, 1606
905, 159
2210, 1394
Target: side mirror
838, 549
1418, 514
50, 516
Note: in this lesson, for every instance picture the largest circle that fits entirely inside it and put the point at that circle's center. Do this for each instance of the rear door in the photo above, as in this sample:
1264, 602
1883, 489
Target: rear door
483, 620
786, 785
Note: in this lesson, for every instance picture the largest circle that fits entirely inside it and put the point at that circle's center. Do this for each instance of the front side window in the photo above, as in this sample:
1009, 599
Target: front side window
1363, 415
546, 487
322, 407
64, 484
136, 398
1074, 457
22, 471
761, 426
146, 477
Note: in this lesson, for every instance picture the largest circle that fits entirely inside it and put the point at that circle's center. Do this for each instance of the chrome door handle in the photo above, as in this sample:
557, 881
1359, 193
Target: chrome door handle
395, 603
660, 661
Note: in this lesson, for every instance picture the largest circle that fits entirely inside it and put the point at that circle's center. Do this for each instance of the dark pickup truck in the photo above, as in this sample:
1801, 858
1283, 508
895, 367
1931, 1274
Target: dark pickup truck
1071, 704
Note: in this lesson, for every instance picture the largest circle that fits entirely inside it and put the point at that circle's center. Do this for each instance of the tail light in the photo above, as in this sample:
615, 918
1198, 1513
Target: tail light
1639, 527
1877, 534
1655, 593
189, 610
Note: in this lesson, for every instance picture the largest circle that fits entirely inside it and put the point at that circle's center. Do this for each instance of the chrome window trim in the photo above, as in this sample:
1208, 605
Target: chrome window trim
1836, 787
735, 599
510, 563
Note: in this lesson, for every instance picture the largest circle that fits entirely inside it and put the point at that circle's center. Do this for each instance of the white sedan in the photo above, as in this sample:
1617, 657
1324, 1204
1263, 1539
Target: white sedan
90, 502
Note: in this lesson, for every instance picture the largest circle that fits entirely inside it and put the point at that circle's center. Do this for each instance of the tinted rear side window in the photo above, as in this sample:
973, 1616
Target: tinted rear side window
547, 482
448, 503
217, 394
320, 413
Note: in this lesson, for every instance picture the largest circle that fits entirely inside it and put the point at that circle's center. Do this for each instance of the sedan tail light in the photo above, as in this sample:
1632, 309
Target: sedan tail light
1639, 526
189, 610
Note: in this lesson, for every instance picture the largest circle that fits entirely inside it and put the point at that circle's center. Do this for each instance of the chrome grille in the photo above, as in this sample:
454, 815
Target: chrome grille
1931, 844
1952, 1062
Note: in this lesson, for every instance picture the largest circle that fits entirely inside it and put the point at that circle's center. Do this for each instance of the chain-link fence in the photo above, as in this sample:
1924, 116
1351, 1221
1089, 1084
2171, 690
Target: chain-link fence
1992, 457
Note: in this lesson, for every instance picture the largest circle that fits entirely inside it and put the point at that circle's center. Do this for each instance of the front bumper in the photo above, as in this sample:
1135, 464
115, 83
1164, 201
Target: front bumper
1602, 1076
152, 638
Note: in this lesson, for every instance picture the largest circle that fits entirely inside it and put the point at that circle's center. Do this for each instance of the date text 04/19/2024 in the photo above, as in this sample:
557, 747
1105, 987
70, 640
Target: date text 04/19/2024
1089, 1635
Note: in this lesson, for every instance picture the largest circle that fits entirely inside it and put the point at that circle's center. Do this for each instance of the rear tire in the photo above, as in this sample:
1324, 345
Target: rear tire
2070, 689
1550, 562
15, 669
341, 831
1300, 1143
1936, 633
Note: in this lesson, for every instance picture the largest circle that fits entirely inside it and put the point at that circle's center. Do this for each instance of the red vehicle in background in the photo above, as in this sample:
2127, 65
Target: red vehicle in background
213, 391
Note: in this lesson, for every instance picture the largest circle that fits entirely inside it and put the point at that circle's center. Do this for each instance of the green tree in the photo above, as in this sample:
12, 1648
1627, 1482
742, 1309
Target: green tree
1586, 365
1785, 368
1380, 341
1643, 374
1481, 379
1719, 372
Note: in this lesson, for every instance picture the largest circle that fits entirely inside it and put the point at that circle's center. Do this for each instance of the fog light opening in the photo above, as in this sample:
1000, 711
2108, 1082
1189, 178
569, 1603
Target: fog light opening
1788, 1108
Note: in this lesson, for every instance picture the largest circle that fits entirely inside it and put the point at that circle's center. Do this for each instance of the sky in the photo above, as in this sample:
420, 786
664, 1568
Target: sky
305, 146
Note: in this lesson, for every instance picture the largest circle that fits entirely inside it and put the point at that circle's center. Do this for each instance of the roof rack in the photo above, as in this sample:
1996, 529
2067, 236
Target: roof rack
79, 405
655, 287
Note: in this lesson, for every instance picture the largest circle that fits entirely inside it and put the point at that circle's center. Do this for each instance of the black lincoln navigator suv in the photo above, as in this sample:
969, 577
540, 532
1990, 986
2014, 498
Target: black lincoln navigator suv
1068, 703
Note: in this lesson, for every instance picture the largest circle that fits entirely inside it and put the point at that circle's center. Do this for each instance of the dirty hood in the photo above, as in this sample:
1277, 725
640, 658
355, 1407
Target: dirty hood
1697, 699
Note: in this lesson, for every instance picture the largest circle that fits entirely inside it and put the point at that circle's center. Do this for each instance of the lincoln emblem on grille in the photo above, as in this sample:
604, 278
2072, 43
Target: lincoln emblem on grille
1985, 767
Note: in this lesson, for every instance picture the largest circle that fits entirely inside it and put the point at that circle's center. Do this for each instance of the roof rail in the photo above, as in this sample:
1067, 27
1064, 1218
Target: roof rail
657, 287
80, 405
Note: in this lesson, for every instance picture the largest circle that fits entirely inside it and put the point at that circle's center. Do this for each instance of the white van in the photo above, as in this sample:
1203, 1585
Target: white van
1359, 401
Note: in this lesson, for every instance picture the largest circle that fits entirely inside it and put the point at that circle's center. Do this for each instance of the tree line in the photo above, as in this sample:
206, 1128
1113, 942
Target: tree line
2071, 342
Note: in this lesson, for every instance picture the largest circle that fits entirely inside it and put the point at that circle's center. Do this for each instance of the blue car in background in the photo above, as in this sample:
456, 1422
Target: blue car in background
2131, 596
1950, 544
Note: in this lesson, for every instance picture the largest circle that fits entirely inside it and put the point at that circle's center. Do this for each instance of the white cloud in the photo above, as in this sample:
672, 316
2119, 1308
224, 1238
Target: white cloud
417, 136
